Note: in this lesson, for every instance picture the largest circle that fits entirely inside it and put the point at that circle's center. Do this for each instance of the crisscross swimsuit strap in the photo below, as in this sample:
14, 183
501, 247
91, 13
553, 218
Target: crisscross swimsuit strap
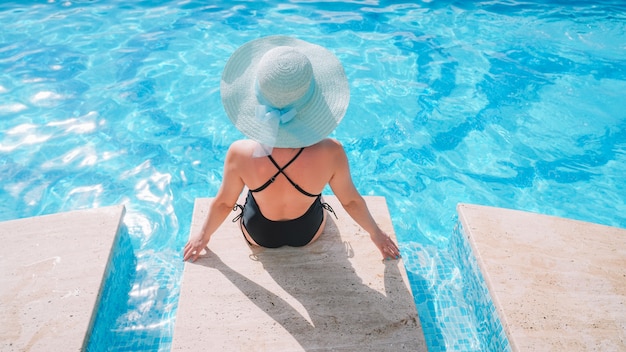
281, 170
293, 232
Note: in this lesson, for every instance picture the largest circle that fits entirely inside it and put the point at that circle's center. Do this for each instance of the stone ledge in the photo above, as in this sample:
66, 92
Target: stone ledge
335, 294
52, 269
557, 284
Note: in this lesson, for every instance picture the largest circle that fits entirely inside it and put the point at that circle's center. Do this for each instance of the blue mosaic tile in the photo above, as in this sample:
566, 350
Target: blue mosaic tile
117, 283
486, 320
451, 297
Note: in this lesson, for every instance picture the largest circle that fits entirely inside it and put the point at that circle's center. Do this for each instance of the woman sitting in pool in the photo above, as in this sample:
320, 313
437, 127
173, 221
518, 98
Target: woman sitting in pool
287, 96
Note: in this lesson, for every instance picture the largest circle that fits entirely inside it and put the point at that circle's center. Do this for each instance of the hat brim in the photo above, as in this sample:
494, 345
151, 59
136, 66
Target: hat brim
315, 119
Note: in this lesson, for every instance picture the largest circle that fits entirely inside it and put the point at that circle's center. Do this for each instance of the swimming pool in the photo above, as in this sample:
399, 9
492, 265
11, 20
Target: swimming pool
518, 105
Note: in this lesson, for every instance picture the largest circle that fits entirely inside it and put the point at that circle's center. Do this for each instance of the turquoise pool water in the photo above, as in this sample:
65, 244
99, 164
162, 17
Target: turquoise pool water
501, 103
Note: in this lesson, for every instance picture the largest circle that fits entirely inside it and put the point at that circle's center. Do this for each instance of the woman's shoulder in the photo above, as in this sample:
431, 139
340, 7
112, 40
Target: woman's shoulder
239, 151
331, 147
242, 143
329, 144
241, 147
329, 151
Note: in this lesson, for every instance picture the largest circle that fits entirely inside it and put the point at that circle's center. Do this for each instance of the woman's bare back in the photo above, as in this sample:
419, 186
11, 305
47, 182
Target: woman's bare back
312, 170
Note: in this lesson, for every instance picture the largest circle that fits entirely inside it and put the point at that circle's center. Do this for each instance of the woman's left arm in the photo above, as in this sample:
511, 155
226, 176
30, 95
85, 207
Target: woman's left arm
222, 205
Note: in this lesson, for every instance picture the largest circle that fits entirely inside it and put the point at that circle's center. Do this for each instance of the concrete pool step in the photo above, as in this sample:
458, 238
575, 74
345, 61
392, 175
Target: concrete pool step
51, 271
557, 284
335, 294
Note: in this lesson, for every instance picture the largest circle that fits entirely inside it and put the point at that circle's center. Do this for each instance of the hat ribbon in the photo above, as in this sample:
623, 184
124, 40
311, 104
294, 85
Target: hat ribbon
266, 112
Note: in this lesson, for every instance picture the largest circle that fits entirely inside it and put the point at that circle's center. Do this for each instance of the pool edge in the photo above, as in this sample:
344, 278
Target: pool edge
555, 282
56, 268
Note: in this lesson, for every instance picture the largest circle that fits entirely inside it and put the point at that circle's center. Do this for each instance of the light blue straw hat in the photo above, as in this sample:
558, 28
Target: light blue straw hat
284, 92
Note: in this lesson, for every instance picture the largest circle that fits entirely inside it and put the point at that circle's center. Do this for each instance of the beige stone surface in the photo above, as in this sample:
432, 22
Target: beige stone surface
51, 268
558, 284
335, 294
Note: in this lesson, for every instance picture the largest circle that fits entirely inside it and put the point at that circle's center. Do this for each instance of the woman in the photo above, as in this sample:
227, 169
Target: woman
287, 96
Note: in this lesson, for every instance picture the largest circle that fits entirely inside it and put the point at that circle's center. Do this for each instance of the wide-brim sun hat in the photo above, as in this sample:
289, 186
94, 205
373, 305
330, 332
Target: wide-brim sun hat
284, 92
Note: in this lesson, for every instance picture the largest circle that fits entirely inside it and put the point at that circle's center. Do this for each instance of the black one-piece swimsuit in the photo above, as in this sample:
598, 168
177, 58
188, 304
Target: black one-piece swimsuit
297, 232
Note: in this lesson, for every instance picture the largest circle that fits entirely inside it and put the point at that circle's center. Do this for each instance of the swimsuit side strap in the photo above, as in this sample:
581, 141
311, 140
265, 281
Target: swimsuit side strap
329, 209
240, 215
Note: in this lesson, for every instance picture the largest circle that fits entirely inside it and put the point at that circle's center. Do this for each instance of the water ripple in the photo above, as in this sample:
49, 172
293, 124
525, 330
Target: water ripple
112, 102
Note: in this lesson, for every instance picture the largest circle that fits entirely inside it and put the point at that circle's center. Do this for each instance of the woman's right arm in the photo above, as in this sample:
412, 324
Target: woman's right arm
354, 204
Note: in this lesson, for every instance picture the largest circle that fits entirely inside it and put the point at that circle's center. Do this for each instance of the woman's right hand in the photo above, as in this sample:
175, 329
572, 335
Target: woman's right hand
385, 245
